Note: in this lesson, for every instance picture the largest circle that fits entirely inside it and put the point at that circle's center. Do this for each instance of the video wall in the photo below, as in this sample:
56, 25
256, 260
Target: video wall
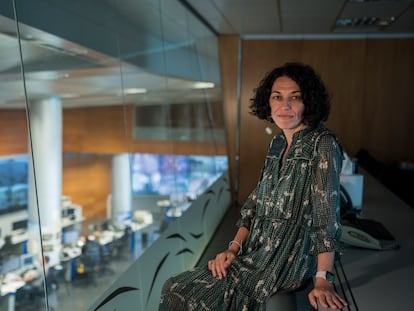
13, 184
171, 174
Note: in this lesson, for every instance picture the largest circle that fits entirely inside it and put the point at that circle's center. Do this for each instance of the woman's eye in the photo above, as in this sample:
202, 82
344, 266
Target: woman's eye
296, 98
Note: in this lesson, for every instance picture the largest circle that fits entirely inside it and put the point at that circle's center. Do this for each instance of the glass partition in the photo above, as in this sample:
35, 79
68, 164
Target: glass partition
112, 125
15, 259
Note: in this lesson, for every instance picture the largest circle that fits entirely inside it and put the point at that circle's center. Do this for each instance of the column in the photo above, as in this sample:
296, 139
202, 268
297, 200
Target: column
121, 202
45, 176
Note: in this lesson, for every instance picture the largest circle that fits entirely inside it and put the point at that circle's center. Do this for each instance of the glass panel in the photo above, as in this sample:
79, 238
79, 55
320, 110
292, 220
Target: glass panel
126, 130
17, 260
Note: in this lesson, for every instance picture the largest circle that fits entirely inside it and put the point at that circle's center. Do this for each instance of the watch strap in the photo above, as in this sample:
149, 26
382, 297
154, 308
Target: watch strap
326, 275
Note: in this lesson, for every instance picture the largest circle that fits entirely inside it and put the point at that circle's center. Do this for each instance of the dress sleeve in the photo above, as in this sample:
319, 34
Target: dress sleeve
325, 193
248, 210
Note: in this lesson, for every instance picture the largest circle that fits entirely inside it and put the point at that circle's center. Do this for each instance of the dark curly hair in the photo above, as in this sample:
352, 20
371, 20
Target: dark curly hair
315, 96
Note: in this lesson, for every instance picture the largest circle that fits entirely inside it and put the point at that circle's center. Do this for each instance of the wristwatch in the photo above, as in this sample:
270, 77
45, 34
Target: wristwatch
329, 276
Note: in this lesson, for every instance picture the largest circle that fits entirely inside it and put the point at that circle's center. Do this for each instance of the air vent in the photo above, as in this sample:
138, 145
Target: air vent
365, 21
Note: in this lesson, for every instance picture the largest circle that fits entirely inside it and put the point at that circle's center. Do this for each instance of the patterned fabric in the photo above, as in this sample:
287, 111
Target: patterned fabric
292, 216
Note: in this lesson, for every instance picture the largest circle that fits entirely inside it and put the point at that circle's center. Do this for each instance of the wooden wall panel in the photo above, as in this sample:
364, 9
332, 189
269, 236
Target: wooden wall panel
105, 129
13, 129
108, 130
388, 108
341, 65
90, 136
370, 80
87, 180
229, 52
102, 132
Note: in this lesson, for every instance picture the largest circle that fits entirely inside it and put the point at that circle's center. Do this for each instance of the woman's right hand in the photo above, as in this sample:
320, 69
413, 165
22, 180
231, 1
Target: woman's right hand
219, 265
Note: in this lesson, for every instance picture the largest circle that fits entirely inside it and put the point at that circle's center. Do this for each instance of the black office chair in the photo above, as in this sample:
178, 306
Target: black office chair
90, 259
105, 259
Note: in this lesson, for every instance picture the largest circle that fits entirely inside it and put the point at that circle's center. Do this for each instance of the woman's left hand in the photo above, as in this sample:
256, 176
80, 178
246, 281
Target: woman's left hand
325, 293
219, 265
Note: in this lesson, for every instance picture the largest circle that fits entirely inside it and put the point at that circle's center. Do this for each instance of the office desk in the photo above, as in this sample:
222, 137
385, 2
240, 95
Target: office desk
68, 259
9, 289
383, 280
138, 236
109, 236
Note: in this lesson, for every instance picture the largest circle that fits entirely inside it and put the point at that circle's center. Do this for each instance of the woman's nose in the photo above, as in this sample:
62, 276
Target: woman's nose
286, 103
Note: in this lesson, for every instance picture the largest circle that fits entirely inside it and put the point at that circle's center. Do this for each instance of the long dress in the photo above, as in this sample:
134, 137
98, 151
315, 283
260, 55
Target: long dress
292, 216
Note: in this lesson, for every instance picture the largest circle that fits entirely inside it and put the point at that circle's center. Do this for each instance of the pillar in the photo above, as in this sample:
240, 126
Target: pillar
45, 176
121, 201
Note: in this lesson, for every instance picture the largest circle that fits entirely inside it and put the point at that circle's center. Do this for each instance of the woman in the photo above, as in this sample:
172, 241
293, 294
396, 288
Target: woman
289, 226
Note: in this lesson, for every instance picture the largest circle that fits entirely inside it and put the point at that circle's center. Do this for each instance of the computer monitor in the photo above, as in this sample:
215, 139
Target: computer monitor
70, 211
20, 225
27, 261
123, 216
70, 237
10, 264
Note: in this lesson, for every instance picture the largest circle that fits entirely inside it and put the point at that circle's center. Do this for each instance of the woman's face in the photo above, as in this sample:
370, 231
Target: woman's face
286, 105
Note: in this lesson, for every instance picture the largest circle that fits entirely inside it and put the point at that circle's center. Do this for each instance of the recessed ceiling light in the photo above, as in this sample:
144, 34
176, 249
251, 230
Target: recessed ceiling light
133, 90
69, 95
203, 85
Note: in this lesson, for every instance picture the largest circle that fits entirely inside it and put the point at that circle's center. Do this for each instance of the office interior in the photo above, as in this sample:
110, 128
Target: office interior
119, 118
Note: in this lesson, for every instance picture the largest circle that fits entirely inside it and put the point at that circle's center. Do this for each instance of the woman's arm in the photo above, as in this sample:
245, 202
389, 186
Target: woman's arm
325, 220
323, 290
219, 265
238, 240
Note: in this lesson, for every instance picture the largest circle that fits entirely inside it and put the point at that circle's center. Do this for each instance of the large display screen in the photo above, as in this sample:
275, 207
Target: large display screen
13, 183
169, 174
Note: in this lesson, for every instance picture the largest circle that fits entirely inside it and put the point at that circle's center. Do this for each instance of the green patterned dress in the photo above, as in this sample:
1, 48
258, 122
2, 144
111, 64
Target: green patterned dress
292, 216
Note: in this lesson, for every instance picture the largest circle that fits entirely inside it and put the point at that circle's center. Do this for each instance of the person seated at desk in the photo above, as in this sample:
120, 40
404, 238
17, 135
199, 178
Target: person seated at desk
90, 258
34, 278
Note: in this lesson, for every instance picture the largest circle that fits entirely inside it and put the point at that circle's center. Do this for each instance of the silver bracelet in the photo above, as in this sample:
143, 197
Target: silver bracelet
239, 244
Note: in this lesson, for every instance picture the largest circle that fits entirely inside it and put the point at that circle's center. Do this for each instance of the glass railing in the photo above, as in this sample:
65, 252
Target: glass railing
112, 121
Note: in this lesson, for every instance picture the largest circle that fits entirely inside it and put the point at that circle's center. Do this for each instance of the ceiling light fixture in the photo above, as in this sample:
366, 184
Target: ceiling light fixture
365, 21
69, 95
133, 90
203, 85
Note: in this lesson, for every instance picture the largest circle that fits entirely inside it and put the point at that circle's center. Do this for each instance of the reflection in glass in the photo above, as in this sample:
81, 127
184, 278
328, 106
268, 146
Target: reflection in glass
133, 77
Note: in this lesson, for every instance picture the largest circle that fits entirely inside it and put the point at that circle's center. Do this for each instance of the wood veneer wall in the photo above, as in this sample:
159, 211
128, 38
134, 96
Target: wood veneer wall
91, 135
101, 132
13, 129
370, 80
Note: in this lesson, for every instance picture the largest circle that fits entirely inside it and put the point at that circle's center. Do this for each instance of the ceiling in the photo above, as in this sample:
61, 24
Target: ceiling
304, 17
59, 61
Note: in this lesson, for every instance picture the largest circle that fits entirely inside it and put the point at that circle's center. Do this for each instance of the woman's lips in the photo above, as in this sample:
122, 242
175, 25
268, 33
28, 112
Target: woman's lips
284, 116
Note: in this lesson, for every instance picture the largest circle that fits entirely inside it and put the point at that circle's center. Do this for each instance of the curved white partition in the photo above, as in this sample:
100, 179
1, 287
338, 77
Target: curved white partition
178, 248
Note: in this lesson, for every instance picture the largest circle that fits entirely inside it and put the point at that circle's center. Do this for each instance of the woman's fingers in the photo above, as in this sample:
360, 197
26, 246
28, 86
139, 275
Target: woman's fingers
219, 265
326, 299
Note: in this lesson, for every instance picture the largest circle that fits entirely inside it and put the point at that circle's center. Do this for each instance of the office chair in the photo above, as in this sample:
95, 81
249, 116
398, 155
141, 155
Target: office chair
105, 258
32, 295
90, 258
